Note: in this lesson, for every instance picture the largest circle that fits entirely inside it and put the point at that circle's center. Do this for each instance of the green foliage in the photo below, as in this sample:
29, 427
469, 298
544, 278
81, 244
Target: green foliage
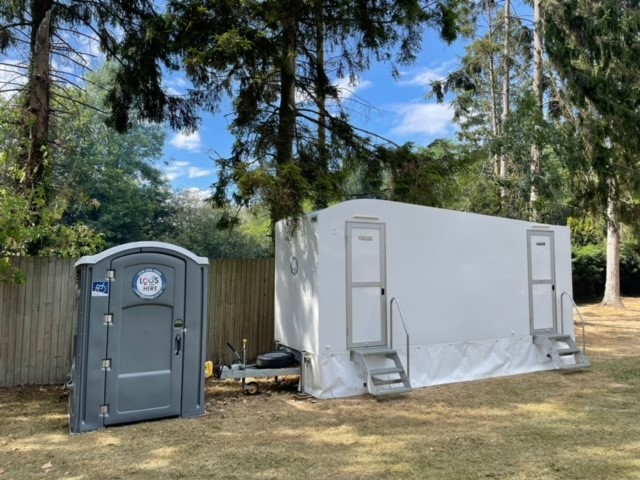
488, 134
31, 219
594, 48
629, 271
23, 228
218, 233
117, 188
423, 176
589, 271
586, 231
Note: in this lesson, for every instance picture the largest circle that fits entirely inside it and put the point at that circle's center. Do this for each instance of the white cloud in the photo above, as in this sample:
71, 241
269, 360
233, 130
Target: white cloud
424, 76
422, 119
197, 172
187, 141
176, 169
185, 169
176, 85
347, 89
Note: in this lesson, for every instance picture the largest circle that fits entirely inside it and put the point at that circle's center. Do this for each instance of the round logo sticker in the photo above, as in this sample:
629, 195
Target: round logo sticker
149, 283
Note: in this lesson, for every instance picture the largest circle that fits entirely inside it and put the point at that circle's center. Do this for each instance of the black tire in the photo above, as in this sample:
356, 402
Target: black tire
275, 360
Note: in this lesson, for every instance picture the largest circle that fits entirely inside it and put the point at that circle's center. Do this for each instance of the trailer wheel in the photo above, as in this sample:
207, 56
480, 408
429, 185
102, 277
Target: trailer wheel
251, 388
275, 360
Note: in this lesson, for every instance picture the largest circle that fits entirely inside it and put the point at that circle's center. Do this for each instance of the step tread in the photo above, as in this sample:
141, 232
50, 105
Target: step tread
576, 366
385, 370
379, 382
392, 391
568, 351
369, 351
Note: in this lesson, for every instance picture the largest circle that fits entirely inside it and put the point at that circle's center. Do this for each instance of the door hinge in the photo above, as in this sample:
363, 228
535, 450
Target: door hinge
111, 274
106, 363
108, 318
104, 409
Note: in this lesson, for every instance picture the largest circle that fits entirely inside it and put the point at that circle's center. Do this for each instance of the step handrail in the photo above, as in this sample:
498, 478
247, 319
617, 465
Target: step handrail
575, 307
397, 302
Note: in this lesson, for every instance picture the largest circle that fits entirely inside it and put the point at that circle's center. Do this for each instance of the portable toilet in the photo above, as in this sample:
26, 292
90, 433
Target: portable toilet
139, 341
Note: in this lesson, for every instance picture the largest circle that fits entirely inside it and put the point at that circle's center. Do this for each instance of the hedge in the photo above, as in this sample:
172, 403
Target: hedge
589, 272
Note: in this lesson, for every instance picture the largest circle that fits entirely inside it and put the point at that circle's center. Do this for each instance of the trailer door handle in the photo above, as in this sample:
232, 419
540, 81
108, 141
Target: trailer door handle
178, 344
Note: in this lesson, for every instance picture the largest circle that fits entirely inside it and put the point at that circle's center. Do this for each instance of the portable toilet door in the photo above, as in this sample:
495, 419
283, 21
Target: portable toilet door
144, 342
140, 339
366, 283
542, 281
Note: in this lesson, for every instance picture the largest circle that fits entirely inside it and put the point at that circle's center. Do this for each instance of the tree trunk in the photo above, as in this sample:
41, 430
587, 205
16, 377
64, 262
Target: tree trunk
39, 96
495, 120
322, 167
612, 286
506, 91
536, 149
284, 196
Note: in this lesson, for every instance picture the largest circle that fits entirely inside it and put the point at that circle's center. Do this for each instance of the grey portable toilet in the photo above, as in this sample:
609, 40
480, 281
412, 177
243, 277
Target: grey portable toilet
140, 337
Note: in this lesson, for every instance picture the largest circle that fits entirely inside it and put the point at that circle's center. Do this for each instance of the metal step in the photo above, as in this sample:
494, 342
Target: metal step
379, 381
551, 344
396, 381
577, 366
568, 351
393, 391
385, 371
374, 351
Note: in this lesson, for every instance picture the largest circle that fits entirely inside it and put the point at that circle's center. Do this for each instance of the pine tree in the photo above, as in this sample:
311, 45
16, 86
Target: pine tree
269, 57
594, 47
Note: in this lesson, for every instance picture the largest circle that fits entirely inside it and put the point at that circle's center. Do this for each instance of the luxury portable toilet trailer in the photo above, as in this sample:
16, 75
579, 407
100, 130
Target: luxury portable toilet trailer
139, 343
382, 296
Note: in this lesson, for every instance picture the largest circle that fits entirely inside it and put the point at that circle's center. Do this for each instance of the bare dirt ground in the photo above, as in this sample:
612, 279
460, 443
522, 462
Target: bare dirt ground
538, 426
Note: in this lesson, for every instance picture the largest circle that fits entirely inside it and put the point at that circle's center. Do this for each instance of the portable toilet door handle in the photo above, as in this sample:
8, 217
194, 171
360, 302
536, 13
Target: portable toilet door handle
178, 344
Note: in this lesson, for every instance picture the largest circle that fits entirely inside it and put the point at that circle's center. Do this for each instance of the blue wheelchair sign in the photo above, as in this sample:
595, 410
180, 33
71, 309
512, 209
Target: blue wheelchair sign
100, 289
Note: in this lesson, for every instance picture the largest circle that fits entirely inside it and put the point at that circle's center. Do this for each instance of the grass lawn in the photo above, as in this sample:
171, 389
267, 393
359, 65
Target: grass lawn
583, 425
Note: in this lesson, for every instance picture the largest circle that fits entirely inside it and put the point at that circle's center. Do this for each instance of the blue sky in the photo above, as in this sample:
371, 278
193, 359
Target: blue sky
394, 109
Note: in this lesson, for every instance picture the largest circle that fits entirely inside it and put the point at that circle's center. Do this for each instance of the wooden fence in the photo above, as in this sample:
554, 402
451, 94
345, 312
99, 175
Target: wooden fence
37, 318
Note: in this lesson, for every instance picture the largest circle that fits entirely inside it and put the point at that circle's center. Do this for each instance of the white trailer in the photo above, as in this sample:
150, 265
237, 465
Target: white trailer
382, 296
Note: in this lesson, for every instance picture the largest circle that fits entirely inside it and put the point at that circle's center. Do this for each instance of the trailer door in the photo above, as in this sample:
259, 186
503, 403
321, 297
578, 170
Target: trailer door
542, 281
366, 282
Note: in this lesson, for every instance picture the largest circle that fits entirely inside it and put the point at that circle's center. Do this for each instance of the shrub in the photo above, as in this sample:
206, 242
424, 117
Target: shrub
589, 263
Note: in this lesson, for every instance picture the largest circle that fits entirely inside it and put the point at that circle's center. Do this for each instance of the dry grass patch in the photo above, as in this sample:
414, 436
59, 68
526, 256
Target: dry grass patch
539, 426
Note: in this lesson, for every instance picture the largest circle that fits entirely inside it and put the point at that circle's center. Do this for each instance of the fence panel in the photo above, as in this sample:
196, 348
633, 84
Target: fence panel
36, 323
37, 318
240, 307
